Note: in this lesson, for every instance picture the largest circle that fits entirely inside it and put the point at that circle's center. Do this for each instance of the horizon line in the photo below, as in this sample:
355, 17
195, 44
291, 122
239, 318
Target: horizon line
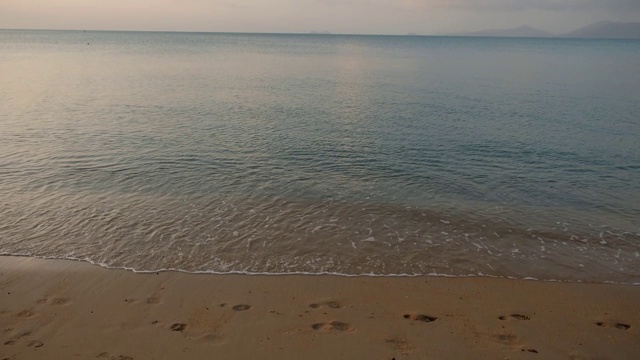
317, 33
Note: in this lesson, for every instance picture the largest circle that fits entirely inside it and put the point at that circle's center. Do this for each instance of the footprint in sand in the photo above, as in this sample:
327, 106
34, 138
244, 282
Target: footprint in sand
514, 316
35, 344
212, 339
60, 301
420, 317
24, 334
332, 326
106, 355
330, 304
620, 326
400, 344
24, 314
506, 339
178, 327
153, 300
241, 307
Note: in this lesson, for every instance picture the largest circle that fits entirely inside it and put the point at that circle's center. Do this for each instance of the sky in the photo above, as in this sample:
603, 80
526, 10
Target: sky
427, 17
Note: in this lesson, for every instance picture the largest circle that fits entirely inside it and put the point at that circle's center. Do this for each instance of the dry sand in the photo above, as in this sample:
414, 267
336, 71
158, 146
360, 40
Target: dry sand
53, 309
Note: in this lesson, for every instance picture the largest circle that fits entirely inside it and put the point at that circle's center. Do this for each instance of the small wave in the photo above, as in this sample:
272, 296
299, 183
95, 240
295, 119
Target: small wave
305, 273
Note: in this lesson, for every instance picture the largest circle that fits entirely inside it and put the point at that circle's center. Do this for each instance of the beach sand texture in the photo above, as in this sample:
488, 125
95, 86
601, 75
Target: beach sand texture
56, 309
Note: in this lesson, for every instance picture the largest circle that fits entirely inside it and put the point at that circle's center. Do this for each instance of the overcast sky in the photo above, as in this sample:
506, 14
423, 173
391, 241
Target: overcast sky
337, 16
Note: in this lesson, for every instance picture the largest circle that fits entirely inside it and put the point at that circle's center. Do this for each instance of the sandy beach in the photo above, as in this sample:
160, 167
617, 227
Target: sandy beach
54, 309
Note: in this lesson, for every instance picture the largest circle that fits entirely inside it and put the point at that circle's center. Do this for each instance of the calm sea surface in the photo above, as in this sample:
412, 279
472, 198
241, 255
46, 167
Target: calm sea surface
354, 155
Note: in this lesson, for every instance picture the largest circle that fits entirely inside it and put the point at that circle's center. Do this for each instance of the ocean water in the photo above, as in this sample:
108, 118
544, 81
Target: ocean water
353, 155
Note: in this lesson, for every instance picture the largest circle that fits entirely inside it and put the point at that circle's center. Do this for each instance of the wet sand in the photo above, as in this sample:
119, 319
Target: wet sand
53, 309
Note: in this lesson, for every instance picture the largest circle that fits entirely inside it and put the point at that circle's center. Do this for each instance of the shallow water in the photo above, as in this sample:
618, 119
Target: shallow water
352, 155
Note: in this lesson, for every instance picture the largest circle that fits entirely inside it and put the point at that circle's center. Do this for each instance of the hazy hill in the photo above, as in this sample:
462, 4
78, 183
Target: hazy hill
601, 30
607, 30
522, 31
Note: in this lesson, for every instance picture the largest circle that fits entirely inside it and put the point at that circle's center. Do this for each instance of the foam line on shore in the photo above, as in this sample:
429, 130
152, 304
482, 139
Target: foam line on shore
249, 273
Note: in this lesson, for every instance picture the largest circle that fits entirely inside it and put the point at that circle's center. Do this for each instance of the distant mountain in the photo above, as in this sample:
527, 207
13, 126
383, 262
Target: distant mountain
320, 32
601, 30
522, 31
607, 30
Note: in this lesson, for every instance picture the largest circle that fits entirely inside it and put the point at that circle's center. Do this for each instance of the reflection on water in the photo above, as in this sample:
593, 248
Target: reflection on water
341, 154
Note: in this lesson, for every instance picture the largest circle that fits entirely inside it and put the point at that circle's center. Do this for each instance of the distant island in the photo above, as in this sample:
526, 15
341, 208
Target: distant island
522, 31
320, 32
607, 30
601, 30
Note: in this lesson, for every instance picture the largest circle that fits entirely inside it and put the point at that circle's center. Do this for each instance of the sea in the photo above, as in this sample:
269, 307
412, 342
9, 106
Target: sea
322, 154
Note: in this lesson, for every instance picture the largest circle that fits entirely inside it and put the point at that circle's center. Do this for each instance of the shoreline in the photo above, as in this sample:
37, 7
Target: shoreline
71, 309
367, 275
